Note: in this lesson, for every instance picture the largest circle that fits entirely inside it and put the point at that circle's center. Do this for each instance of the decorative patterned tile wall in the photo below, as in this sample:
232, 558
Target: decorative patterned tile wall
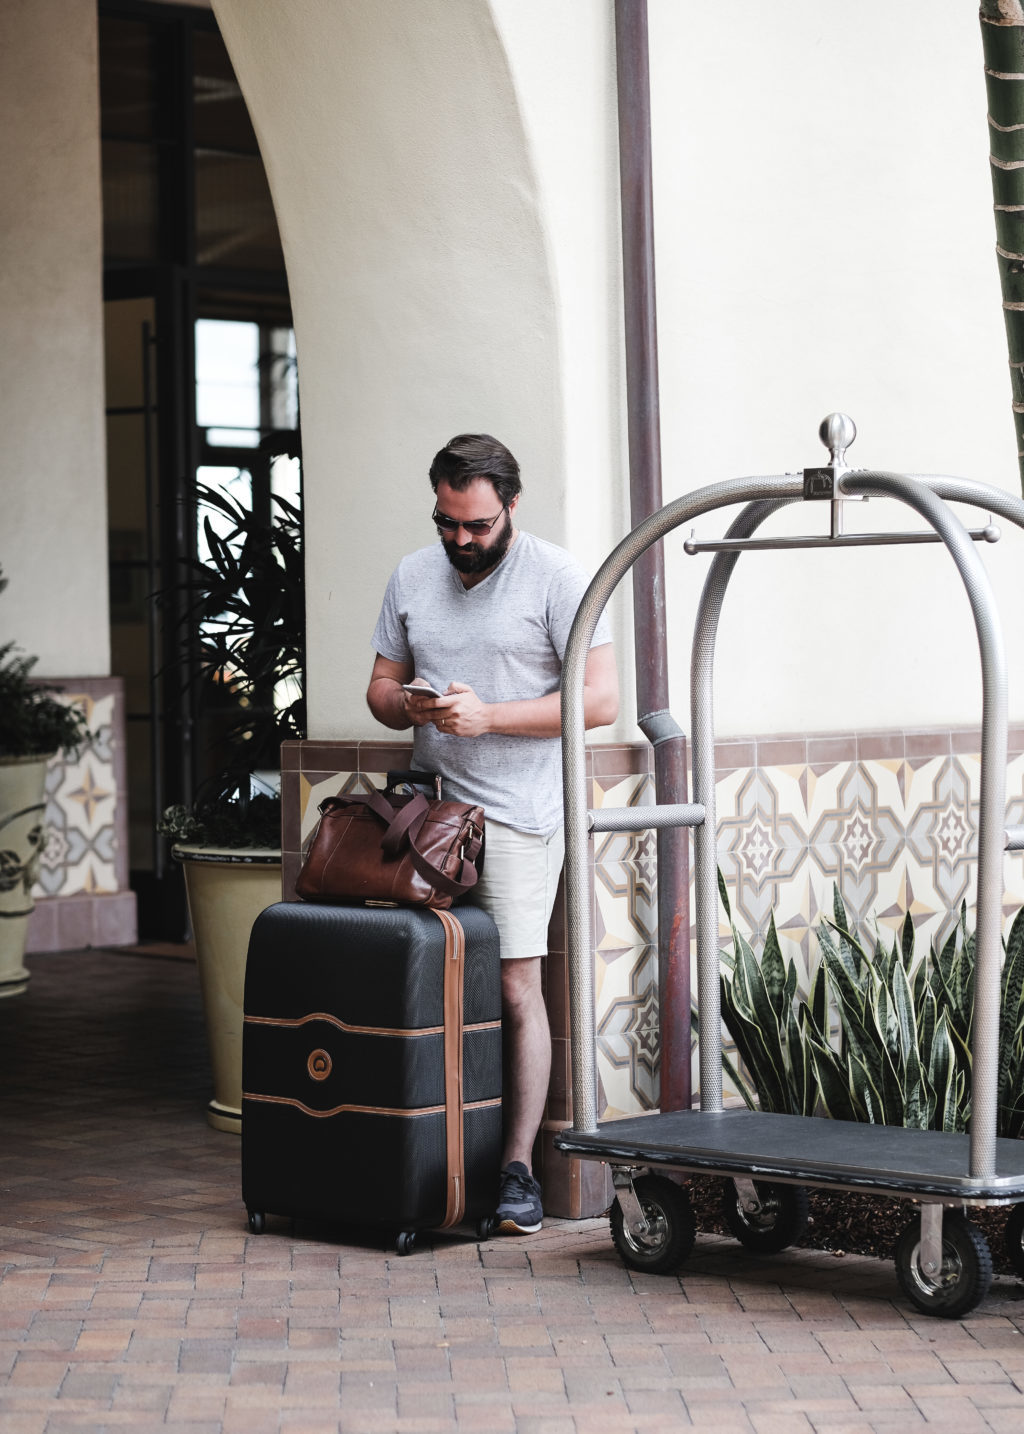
889, 816
81, 892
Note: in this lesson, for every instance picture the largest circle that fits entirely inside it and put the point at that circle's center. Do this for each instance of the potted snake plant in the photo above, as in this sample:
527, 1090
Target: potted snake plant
35, 726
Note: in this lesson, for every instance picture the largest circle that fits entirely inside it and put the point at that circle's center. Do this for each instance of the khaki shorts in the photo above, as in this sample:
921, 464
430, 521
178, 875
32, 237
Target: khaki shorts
517, 887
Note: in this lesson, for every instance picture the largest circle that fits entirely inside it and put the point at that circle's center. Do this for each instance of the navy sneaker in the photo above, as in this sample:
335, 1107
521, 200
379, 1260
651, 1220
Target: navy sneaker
519, 1211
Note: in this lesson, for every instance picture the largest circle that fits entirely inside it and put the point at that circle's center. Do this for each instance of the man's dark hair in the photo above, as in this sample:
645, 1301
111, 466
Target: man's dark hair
477, 455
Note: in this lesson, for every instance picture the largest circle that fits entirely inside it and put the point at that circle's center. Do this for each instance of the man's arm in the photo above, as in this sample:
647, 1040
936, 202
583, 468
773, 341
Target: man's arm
385, 697
464, 715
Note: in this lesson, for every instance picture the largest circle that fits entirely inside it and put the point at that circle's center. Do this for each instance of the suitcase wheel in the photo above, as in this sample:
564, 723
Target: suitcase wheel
406, 1242
485, 1227
257, 1222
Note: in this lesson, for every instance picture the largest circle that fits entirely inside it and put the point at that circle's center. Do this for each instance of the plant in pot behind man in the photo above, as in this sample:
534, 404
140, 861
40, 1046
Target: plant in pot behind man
246, 616
33, 723
33, 726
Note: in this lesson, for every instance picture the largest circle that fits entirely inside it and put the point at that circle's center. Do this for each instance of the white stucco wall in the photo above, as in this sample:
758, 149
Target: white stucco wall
445, 173
825, 241
52, 463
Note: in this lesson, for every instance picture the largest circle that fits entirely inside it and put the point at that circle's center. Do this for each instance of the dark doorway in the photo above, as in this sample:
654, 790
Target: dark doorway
201, 380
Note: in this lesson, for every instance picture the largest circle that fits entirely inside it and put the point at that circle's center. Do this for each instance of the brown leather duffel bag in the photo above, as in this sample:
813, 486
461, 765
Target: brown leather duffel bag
394, 847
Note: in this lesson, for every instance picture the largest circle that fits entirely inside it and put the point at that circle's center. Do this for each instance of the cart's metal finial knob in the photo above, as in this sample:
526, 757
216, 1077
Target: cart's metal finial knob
837, 432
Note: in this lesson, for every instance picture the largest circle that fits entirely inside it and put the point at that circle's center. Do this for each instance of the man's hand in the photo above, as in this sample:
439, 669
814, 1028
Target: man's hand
460, 713
421, 711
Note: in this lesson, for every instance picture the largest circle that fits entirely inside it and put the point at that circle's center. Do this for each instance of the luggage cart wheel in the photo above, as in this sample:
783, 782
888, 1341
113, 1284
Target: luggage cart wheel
1015, 1240
671, 1229
406, 1242
764, 1218
966, 1271
257, 1222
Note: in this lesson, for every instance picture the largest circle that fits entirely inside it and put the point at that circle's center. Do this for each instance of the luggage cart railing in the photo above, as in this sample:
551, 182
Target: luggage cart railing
986, 1178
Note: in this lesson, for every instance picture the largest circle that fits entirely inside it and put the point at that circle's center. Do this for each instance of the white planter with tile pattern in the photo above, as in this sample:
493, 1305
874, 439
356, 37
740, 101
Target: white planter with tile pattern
22, 834
227, 890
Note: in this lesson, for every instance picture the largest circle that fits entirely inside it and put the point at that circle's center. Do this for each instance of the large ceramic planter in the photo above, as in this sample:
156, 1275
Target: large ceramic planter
226, 890
22, 833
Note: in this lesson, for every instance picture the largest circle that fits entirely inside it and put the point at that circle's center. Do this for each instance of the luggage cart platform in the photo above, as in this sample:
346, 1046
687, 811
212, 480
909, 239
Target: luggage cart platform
811, 1150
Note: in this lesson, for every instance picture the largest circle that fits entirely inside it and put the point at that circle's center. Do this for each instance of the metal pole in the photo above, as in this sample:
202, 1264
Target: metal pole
642, 403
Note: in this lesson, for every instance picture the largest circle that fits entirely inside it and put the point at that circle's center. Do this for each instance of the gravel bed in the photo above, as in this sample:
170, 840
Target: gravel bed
849, 1223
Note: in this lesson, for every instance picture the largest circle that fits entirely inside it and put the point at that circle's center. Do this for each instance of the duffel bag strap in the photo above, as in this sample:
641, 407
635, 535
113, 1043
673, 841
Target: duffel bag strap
472, 840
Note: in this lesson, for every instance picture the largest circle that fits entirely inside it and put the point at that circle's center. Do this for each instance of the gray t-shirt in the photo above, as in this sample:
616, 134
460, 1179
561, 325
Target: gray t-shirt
505, 638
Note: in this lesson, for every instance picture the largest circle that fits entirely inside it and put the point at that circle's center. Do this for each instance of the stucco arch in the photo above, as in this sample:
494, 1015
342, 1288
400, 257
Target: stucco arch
421, 282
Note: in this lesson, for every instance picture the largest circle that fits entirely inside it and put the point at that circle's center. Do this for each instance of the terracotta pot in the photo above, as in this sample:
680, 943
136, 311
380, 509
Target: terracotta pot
227, 890
22, 833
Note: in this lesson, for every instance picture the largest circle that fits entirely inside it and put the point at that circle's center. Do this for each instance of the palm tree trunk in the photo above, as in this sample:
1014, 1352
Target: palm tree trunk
1002, 32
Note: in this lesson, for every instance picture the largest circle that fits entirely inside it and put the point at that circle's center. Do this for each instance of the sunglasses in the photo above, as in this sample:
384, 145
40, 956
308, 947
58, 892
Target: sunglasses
478, 527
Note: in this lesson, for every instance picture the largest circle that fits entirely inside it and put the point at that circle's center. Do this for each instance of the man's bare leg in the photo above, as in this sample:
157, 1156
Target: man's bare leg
527, 1040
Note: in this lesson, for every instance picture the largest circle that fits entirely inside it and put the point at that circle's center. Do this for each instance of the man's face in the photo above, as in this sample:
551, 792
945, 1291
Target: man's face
469, 552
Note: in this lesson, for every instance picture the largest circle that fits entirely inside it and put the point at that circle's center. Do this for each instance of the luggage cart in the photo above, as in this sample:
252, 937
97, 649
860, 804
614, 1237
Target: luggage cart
942, 1261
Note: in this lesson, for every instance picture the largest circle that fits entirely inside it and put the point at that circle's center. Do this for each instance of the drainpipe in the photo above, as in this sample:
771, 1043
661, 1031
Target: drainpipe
653, 716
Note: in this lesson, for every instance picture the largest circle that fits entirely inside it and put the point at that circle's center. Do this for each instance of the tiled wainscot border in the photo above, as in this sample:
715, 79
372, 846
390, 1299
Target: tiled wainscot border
891, 817
81, 892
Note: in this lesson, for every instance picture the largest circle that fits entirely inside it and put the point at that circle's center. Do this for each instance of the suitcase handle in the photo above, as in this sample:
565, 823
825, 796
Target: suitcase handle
414, 779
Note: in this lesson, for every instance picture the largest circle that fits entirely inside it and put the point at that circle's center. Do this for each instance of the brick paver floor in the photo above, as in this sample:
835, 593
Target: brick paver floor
133, 1298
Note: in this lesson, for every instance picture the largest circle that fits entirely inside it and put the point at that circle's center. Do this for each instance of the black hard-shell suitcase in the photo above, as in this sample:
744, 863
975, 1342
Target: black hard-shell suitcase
371, 1067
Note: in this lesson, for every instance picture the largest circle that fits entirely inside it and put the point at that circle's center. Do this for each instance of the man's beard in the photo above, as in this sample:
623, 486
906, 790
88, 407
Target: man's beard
476, 559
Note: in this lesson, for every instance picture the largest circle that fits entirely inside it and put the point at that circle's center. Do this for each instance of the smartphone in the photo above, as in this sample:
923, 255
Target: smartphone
421, 689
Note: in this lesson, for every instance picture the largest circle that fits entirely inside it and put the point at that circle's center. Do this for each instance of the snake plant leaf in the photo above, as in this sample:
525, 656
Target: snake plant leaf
844, 951
863, 1091
881, 960
819, 997
741, 1085
723, 895
961, 1052
843, 983
862, 1040
750, 981
958, 1108
903, 1010
1013, 965
927, 1015
833, 1084
792, 983
885, 1019
920, 982
941, 986
773, 970
907, 942
1012, 1018
802, 1094
763, 1058
916, 1100
1011, 1115
943, 960
962, 987
809, 1026
940, 1072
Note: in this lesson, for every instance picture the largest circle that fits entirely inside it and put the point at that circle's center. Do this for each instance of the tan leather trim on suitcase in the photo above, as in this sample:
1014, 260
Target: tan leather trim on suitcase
365, 1109
343, 1109
291, 1022
454, 963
